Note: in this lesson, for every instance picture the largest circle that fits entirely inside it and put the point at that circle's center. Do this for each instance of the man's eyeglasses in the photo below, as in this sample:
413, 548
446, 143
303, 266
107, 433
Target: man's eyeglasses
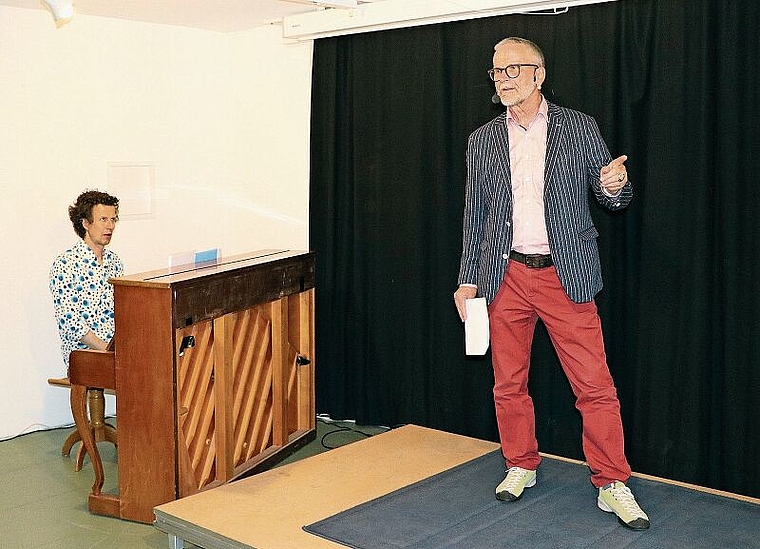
510, 71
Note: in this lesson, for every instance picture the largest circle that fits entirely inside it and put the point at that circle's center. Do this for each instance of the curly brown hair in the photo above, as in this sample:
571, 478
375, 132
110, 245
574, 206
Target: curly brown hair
82, 208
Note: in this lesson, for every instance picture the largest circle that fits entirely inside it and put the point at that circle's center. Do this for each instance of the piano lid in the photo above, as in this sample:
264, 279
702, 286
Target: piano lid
165, 277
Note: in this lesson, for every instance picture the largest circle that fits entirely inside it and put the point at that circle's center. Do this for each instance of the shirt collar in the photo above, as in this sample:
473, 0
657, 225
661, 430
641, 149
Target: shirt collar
85, 251
543, 110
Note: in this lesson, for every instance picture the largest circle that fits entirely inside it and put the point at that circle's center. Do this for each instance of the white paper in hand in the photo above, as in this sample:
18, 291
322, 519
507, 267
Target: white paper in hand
476, 327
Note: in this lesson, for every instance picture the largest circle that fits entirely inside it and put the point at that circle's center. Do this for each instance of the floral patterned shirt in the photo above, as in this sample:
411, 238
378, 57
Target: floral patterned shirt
82, 295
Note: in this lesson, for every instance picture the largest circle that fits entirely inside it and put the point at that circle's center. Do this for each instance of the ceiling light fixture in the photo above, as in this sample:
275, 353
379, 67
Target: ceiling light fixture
62, 10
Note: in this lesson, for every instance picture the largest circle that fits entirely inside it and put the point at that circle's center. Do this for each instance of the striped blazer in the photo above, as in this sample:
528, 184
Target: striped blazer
575, 152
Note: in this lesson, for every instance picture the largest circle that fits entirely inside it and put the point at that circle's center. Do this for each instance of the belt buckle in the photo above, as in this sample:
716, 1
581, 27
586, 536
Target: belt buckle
532, 261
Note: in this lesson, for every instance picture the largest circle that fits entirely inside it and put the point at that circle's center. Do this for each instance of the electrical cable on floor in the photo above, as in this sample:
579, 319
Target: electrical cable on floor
43, 427
326, 420
40, 427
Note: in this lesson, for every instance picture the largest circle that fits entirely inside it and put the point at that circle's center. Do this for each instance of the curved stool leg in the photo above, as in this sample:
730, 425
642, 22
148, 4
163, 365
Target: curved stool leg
70, 441
101, 431
79, 411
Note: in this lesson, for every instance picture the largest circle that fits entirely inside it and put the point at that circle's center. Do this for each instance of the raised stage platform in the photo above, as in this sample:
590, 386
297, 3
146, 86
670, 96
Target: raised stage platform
418, 488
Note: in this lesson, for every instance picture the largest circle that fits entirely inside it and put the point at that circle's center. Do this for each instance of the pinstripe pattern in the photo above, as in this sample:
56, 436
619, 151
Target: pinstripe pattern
575, 152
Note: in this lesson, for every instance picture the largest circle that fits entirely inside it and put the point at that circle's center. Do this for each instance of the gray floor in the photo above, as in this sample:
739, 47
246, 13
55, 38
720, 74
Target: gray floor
43, 501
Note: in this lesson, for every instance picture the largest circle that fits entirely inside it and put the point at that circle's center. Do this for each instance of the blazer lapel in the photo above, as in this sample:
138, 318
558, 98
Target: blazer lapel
500, 138
553, 134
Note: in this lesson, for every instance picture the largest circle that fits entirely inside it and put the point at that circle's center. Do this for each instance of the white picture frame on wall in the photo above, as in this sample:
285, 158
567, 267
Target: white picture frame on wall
133, 184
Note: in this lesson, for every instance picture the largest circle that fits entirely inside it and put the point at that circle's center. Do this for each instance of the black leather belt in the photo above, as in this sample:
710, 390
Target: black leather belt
533, 261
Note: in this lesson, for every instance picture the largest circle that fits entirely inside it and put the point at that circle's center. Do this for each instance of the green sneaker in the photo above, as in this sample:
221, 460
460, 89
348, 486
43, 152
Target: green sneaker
617, 498
517, 479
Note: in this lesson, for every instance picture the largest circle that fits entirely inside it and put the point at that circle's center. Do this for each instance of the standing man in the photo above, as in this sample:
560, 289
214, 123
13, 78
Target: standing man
530, 249
82, 295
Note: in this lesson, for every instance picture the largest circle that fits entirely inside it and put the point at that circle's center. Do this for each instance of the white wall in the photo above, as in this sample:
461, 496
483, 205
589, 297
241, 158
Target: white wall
223, 117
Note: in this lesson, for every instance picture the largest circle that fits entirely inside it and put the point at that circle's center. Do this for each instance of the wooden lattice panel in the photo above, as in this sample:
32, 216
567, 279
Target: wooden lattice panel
241, 392
252, 384
195, 400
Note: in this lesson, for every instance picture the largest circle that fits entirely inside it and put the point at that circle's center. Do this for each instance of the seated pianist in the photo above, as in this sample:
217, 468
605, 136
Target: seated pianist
82, 296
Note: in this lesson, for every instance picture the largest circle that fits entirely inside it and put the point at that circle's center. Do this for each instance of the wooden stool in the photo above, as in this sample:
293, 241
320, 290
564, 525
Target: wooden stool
101, 430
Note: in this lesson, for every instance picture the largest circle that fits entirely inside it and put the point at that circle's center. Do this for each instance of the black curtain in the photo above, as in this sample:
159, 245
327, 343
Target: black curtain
674, 86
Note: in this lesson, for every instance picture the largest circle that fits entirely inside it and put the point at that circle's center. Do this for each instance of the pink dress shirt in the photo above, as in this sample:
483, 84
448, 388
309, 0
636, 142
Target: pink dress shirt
527, 154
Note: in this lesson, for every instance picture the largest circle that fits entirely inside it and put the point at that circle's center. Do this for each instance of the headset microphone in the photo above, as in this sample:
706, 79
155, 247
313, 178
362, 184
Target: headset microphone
496, 99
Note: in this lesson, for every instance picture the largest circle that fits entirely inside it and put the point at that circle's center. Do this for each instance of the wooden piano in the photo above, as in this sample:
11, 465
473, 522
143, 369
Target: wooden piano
213, 370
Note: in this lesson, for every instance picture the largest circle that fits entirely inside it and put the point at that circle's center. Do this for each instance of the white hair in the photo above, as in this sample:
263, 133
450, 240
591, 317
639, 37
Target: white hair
518, 40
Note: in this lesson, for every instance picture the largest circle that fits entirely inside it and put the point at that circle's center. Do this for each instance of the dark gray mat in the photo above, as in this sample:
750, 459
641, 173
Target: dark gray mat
456, 509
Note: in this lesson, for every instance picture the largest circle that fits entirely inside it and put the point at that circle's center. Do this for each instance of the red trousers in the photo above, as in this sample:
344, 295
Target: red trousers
576, 332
